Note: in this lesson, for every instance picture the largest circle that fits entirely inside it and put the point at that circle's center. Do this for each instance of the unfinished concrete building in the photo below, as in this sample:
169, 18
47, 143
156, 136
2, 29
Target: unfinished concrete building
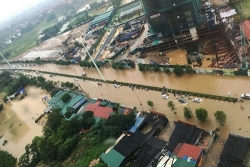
172, 20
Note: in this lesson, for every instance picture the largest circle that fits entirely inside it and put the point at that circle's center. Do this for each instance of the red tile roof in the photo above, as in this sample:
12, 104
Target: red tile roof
189, 151
99, 111
246, 28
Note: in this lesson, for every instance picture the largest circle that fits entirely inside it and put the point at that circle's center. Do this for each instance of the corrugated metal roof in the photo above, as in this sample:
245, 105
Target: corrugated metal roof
112, 158
101, 17
123, 13
183, 163
188, 150
73, 101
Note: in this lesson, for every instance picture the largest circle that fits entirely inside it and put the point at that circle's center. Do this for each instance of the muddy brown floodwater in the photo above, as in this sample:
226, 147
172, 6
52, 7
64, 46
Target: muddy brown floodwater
17, 121
203, 83
237, 119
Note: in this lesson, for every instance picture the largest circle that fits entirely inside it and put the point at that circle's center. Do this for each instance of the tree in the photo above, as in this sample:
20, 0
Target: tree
7, 159
150, 103
66, 97
178, 70
156, 68
187, 112
171, 105
189, 69
201, 114
54, 119
1, 107
220, 117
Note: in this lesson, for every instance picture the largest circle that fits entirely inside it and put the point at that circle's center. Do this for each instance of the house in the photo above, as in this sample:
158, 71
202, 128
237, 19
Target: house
152, 147
184, 133
130, 145
235, 151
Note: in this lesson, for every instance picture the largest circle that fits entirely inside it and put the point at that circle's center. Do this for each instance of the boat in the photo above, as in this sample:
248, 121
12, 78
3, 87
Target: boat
245, 96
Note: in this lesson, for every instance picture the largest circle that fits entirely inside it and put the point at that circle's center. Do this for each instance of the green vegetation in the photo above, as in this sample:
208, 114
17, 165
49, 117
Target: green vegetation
201, 114
220, 117
187, 112
150, 103
61, 137
7, 159
178, 70
171, 105
66, 97
189, 69
1, 107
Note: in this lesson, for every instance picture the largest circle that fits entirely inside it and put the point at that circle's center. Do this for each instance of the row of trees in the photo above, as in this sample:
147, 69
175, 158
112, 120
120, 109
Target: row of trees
201, 113
177, 69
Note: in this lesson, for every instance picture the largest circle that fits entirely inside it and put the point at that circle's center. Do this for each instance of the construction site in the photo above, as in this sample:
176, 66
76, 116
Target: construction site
212, 38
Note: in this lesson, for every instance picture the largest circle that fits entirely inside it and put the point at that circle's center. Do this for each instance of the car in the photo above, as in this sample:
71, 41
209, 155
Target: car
75, 79
197, 100
165, 96
182, 100
84, 74
116, 86
245, 96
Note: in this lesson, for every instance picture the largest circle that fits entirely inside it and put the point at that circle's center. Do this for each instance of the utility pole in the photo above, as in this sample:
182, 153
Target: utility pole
6, 60
94, 62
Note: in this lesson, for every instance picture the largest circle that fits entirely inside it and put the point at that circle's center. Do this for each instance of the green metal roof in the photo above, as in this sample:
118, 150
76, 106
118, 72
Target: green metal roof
112, 158
101, 17
183, 163
73, 101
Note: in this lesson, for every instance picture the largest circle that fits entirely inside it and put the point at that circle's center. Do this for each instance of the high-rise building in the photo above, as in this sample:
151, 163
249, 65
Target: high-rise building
171, 16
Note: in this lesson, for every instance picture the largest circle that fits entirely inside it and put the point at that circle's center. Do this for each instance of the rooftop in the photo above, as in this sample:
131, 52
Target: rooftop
234, 151
112, 158
99, 111
101, 17
183, 133
188, 150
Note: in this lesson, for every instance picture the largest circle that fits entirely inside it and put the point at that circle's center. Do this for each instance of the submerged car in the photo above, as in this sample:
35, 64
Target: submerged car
165, 96
245, 96
75, 79
182, 100
197, 100
116, 86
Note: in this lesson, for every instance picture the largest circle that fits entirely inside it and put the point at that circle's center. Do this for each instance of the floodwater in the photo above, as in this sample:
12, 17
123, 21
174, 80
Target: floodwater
203, 83
237, 119
17, 121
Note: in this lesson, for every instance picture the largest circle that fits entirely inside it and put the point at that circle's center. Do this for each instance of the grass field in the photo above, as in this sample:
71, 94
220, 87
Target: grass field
245, 8
27, 41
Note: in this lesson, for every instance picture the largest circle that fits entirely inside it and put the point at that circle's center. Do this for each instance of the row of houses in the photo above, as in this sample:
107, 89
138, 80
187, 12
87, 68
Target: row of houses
142, 147
78, 104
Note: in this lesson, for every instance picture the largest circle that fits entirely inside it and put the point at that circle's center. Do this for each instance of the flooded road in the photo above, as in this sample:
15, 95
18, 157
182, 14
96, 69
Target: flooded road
203, 83
17, 121
237, 119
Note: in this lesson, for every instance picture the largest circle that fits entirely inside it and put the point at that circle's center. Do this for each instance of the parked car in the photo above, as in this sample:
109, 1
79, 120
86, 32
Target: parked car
197, 100
84, 74
116, 86
165, 96
182, 100
75, 79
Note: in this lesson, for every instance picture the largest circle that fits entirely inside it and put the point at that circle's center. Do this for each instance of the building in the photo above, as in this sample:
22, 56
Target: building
130, 145
101, 19
184, 133
235, 152
168, 16
131, 12
76, 101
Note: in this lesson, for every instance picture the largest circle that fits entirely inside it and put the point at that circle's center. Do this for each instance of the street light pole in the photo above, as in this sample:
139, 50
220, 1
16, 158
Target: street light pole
5, 60
138, 98
94, 63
